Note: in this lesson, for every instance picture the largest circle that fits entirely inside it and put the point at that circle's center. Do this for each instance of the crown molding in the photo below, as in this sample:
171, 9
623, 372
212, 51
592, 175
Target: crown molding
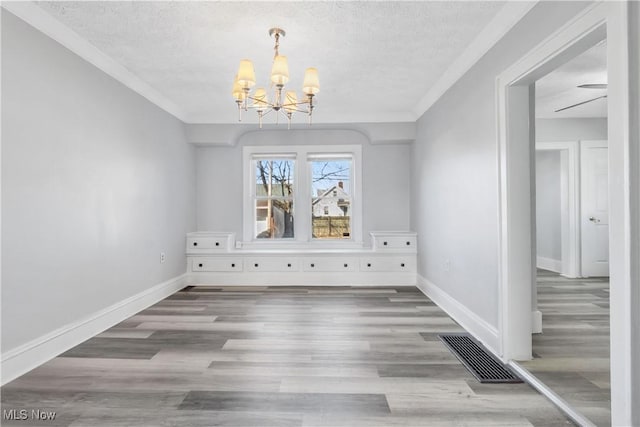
324, 117
510, 14
47, 24
377, 133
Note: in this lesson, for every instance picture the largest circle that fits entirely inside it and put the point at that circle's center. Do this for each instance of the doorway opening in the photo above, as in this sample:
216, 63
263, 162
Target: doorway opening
517, 258
570, 325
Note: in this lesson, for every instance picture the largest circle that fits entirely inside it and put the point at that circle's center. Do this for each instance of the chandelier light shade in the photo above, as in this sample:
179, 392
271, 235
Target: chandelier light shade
246, 74
260, 100
245, 79
311, 84
280, 70
237, 92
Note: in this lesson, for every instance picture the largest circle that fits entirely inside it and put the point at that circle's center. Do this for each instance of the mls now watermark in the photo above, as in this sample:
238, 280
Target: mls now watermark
28, 414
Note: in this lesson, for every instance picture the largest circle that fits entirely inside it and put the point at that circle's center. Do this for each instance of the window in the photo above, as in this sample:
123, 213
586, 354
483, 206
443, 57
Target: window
331, 200
273, 198
302, 195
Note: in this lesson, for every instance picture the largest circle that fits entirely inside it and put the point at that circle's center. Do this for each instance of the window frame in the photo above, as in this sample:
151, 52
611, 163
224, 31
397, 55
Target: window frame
323, 157
255, 197
302, 194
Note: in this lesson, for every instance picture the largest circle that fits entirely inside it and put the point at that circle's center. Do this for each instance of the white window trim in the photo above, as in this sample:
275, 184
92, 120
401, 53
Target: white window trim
302, 197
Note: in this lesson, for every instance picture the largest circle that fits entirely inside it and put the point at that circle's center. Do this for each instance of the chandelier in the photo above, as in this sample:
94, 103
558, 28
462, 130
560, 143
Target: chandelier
286, 102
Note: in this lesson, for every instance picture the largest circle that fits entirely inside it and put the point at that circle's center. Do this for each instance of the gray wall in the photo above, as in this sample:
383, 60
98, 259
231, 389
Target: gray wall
96, 182
548, 205
561, 130
385, 179
454, 196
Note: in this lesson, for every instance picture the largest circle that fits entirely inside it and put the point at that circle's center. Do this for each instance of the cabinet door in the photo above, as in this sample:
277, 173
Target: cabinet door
272, 264
216, 264
330, 264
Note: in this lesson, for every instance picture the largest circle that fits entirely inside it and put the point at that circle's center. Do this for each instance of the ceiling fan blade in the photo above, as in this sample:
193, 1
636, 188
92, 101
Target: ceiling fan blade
581, 103
593, 86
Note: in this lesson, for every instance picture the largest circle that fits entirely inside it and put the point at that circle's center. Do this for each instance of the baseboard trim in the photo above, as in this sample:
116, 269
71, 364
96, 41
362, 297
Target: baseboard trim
536, 322
549, 264
476, 326
22, 359
543, 389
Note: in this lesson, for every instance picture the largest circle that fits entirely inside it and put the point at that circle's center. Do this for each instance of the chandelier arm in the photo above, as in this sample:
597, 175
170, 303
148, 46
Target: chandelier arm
305, 102
266, 107
297, 105
270, 105
253, 99
298, 110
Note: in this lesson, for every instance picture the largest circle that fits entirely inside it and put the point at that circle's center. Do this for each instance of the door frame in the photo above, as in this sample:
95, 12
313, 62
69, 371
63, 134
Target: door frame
615, 21
515, 104
569, 197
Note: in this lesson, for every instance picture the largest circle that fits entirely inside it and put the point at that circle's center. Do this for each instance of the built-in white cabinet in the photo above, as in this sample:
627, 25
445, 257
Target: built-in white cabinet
272, 264
320, 264
208, 242
216, 264
394, 241
387, 263
213, 258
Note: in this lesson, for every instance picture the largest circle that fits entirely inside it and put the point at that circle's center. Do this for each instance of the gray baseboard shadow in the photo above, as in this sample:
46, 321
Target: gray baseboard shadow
534, 382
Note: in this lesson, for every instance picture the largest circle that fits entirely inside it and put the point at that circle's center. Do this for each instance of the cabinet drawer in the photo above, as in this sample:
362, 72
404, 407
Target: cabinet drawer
272, 264
330, 264
390, 264
404, 243
210, 244
216, 264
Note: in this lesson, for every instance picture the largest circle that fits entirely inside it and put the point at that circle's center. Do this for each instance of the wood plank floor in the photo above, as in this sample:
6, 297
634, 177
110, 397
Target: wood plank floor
571, 356
274, 356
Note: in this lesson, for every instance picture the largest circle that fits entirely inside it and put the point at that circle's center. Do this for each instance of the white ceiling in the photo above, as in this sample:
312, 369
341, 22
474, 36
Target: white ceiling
559, 88
377, 60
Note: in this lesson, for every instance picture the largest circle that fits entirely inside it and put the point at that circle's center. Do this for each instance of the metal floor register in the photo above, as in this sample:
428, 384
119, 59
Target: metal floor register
482, 364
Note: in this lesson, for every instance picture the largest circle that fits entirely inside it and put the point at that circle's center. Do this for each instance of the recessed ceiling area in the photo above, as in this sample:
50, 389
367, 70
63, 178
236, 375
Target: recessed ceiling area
376, 60
560, 88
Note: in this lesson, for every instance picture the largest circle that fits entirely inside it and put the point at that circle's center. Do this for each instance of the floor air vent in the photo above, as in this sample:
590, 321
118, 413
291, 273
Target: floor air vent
482, 364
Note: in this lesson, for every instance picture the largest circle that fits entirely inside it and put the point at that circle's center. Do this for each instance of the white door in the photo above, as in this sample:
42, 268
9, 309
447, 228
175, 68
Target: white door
594, 208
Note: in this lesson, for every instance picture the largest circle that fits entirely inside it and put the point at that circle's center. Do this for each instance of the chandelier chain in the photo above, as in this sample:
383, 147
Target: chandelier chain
277, 46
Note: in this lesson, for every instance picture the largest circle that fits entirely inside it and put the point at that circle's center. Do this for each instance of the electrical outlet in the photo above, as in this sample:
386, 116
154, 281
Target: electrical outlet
447, 265
162, 257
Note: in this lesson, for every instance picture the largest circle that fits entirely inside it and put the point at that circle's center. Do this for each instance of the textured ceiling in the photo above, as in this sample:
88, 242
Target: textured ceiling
559, 88
375, 59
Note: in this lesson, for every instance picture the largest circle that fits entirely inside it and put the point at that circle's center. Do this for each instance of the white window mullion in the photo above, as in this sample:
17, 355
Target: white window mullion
299, 196
356, 196
248, 210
